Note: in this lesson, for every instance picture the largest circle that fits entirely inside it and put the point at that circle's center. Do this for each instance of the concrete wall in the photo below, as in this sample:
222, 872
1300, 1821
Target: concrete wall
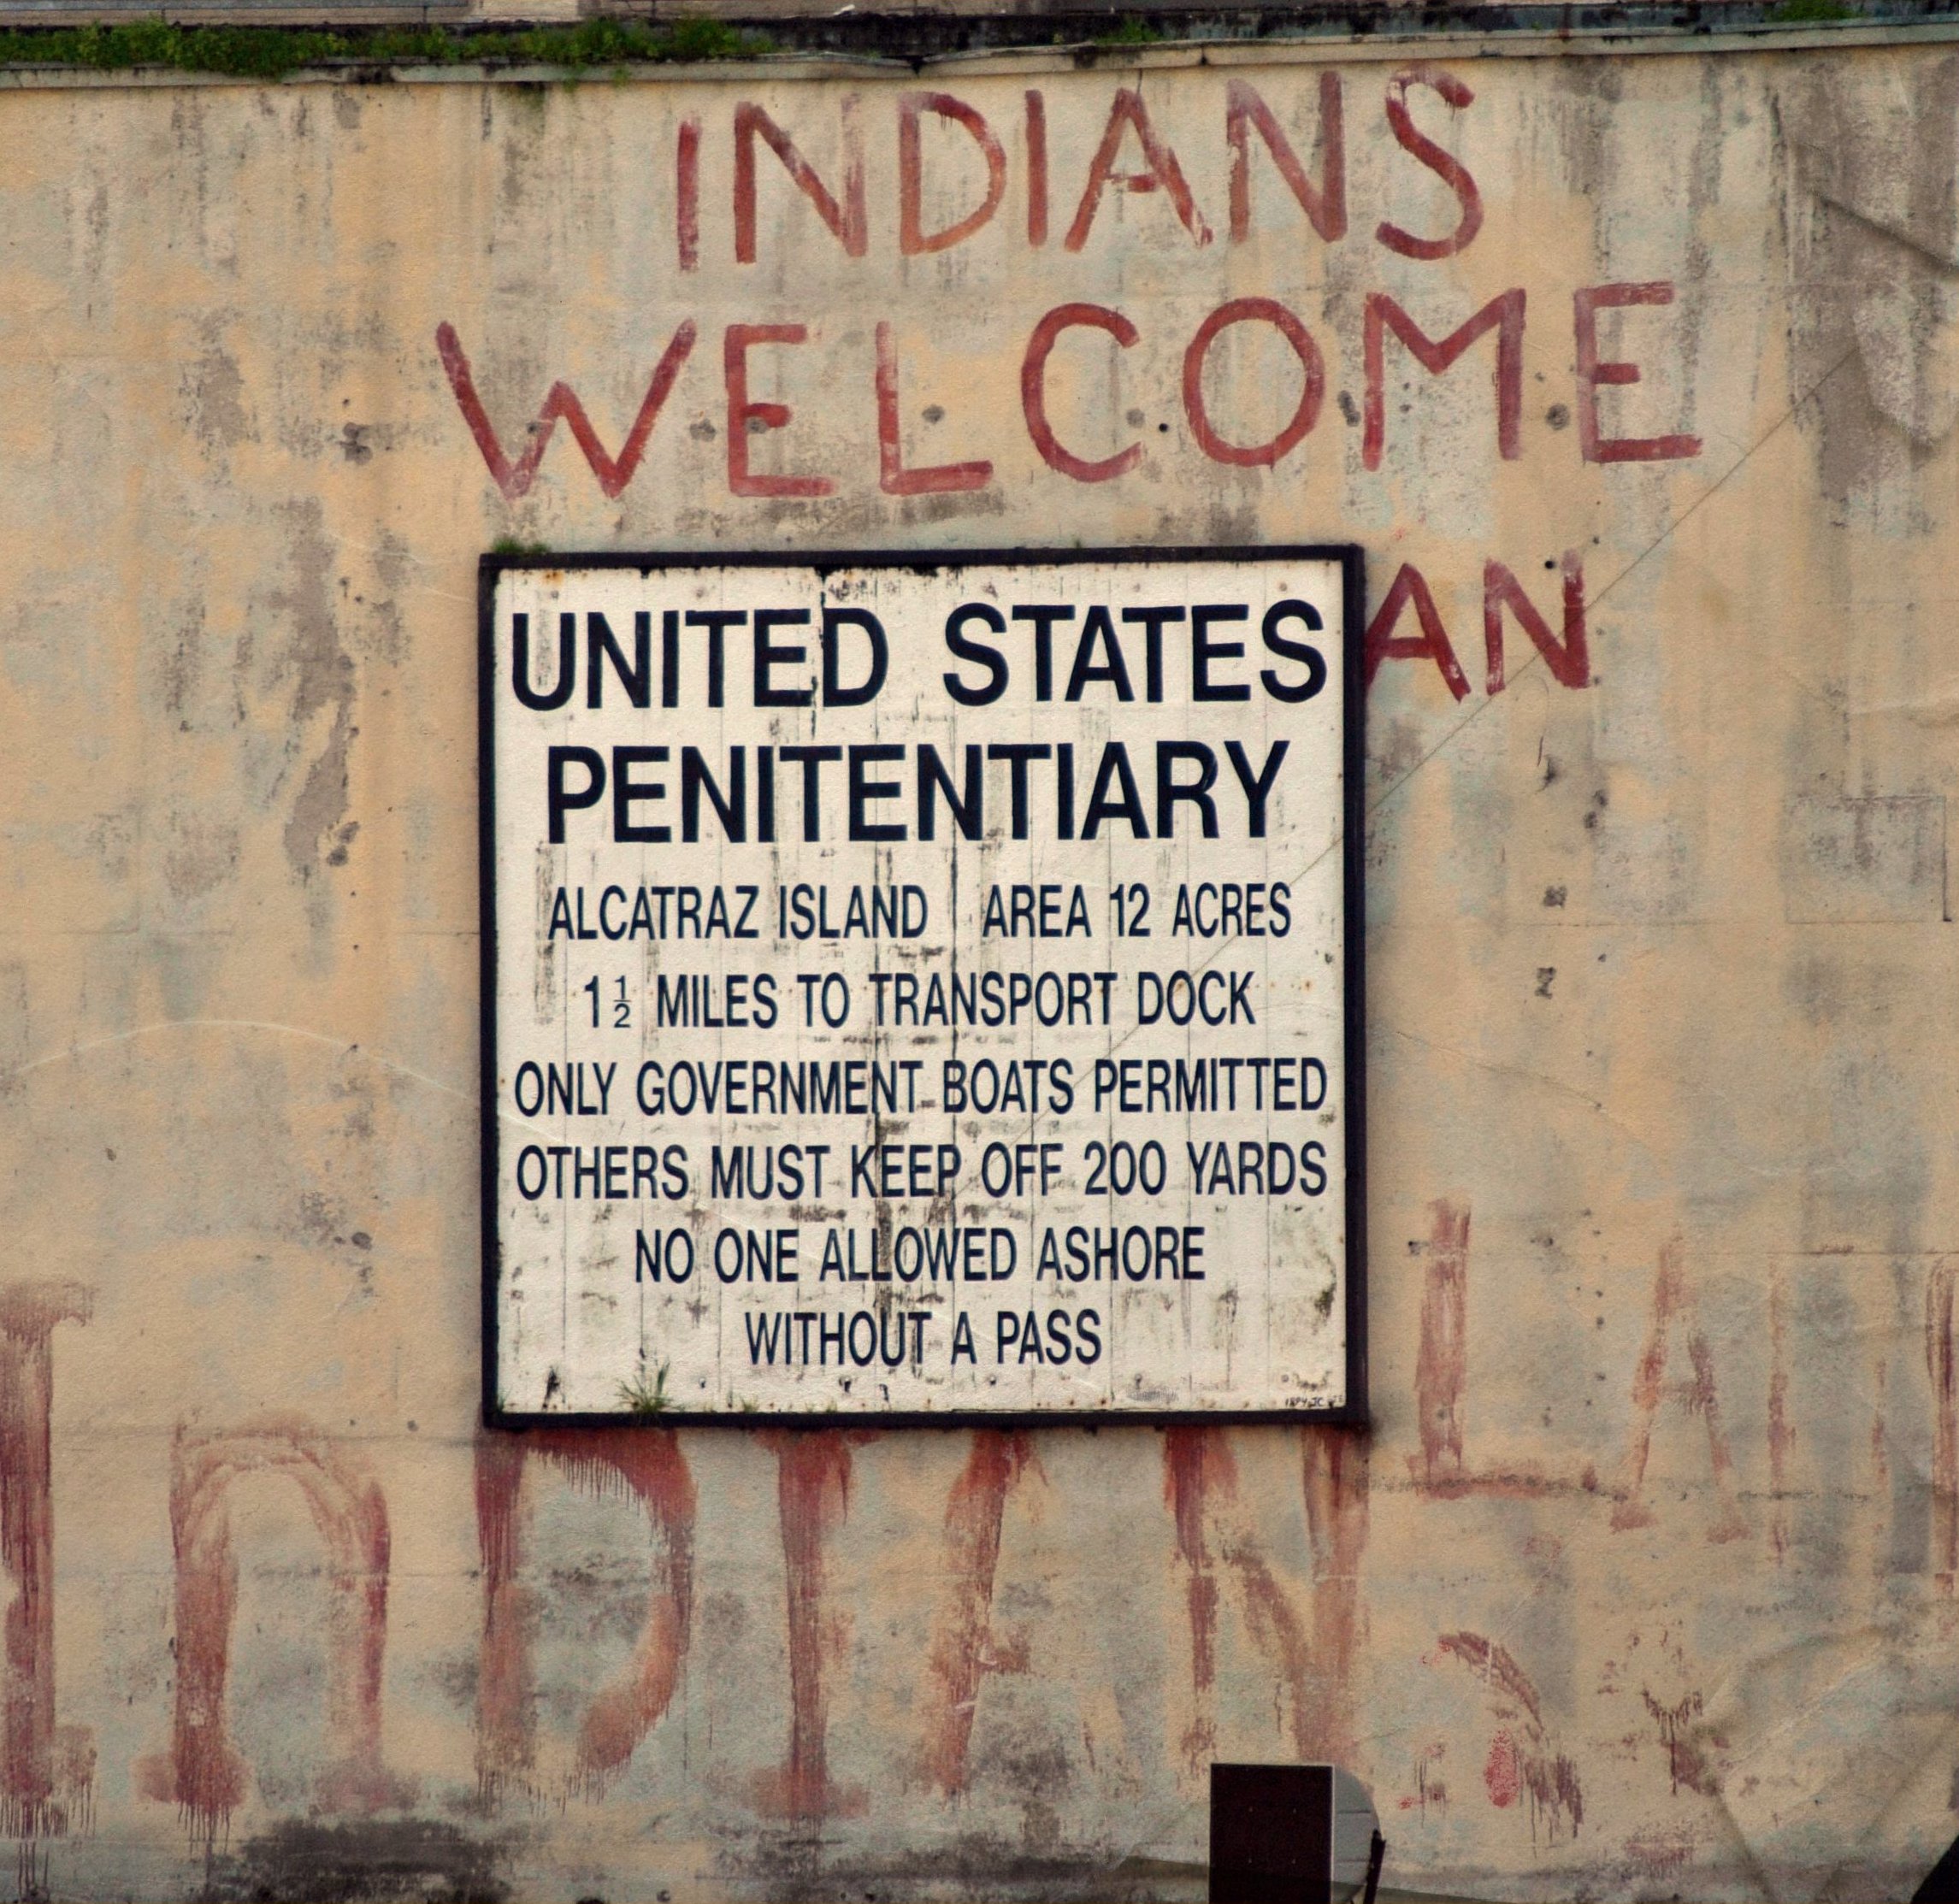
1643, 1584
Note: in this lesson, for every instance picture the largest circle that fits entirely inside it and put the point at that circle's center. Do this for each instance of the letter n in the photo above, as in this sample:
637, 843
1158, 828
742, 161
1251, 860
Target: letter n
202, 1773
1568, 659
846, 219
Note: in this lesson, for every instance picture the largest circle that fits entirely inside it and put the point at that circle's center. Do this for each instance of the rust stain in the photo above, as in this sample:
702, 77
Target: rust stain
1557, 1800
647, 1465
964, 1649
47, 1773
201, 1773
1673, 1299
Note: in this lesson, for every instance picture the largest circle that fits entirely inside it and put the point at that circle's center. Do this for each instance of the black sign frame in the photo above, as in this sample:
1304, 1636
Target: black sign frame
1352, 1412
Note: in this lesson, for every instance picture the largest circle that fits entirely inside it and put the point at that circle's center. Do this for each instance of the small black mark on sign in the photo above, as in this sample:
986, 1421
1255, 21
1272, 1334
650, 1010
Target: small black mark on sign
1554, 895
1545, 975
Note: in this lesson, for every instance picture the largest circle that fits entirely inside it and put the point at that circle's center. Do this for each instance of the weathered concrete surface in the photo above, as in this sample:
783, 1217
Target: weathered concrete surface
1644, 1583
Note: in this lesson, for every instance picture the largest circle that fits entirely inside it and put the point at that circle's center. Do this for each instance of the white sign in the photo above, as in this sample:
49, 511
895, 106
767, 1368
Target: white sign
921, 986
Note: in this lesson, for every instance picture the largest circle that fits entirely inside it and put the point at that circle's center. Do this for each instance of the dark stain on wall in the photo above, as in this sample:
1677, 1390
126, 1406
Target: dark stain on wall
414, 1859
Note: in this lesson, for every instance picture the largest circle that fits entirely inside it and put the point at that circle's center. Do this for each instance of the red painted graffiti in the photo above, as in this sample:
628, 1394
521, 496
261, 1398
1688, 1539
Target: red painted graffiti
1673, 1299
201, 1773
645, 1466
1034, 390
1441, 161
1325, 204
1246, 310
1567, 655
1499, 1770
1527, 1763
1686, 1762
913, 239
1433, 643
1781, 1435
47, 1771
1593, 443
1160, 170
1196, 1464
1504, 315
893, 477
845, 218
1940, 1360
1313, 1649
1441, 1360
1335, 1465
813, 1493
964, 1648
515, 479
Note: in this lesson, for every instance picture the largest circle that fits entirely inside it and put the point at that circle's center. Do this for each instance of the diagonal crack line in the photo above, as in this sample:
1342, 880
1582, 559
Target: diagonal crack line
1536, 659
1665, 535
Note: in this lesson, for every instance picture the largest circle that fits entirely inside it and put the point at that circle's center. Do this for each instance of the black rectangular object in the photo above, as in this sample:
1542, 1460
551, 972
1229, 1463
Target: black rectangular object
1271, 1834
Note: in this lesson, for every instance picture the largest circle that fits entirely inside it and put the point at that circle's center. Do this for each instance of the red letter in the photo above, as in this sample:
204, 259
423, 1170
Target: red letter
1243, 311
1442, 1362
1441, 163
45, 1771
1585, 306
1325, 206
1503, 314
1942, 1367
1383, 643
646, 1465
1164, 170
771, 416
514, 479
1672, 1296
911, 239
1568, 659
848, 220
1036, 170
1034, 391
202, 1773
964, 1647
687, 194
893, 477
813, 1495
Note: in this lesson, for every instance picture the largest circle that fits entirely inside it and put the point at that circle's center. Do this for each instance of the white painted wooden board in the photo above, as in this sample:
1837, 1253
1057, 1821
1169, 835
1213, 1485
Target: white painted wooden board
924, 1095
